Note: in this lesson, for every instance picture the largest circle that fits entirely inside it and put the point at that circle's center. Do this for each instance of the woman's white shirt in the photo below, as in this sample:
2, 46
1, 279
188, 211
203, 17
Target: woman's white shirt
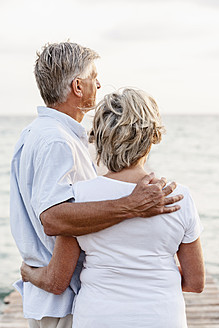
130, 276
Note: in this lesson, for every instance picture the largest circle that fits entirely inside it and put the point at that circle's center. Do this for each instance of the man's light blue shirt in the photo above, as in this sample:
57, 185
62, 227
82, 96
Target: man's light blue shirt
49, 157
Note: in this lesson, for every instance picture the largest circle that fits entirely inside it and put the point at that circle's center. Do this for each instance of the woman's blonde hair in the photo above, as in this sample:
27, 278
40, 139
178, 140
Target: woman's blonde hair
125, 125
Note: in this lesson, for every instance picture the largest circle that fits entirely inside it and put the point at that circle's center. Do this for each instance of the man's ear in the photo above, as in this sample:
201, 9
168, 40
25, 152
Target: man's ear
77, 87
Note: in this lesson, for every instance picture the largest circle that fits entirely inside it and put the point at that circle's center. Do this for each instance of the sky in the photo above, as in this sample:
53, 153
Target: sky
169, 48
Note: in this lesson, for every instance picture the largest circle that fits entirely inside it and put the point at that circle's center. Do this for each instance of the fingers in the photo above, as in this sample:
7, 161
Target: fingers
24, 271
22, 265
148, 178
171, 209
173, 199
161, 183
169, 189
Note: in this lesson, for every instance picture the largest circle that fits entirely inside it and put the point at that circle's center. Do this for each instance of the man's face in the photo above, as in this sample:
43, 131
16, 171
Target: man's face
90, 86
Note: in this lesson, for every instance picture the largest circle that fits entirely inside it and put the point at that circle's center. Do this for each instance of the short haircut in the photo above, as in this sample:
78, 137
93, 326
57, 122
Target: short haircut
125, 125
58, 65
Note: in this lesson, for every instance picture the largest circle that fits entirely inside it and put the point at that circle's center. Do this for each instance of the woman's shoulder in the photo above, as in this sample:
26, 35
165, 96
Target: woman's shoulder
187, 203
180, 189
101, 188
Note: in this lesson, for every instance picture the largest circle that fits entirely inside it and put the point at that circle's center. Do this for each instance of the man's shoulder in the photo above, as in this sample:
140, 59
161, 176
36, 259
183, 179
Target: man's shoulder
48, 131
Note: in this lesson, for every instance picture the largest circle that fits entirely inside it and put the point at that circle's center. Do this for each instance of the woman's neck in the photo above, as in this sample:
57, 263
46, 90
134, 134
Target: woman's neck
130, 174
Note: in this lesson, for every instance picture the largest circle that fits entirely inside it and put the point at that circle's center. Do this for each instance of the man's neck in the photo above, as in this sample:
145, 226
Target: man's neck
73, 111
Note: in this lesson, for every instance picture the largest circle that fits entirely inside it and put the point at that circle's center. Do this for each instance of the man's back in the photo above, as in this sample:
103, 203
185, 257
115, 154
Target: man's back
46, 163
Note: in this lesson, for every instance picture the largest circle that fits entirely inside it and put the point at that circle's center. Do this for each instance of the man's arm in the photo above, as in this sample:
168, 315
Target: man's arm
55, 277
83, 218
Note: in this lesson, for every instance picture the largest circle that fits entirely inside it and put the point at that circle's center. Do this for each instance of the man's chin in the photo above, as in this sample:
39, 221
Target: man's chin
90, 106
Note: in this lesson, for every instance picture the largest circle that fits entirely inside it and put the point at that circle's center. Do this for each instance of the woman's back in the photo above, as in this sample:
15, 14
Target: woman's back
130, 276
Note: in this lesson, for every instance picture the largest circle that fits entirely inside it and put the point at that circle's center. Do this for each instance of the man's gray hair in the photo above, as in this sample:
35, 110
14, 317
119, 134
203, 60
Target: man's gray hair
125, 126
58, 65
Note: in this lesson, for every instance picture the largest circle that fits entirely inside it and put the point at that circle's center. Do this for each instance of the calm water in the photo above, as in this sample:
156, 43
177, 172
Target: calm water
188, 154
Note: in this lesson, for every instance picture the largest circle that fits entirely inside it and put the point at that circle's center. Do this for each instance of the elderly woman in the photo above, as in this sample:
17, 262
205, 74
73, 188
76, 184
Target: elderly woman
130, 277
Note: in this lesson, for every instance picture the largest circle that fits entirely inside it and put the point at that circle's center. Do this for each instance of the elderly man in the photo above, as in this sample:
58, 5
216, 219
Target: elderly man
49, 157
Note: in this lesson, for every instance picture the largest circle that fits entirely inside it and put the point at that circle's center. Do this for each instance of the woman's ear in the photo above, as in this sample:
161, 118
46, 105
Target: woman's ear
77, 87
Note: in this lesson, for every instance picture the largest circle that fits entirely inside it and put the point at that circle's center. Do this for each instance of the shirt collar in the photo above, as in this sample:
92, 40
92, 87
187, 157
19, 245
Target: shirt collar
65, 119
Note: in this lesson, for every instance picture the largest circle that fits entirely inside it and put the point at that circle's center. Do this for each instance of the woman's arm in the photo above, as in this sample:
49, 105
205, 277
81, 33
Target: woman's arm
192, 266
55, 277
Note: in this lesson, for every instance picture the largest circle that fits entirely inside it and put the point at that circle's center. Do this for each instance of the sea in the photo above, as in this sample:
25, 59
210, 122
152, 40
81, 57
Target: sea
188, 154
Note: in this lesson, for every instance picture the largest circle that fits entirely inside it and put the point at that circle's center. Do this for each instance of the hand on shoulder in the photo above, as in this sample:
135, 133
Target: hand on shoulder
149, 198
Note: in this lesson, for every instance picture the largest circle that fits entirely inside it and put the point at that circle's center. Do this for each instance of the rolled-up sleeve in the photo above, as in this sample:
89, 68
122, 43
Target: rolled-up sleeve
53, 176
193, 223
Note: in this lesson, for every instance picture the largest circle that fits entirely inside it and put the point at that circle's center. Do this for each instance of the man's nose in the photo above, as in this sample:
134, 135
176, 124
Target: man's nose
98, 84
